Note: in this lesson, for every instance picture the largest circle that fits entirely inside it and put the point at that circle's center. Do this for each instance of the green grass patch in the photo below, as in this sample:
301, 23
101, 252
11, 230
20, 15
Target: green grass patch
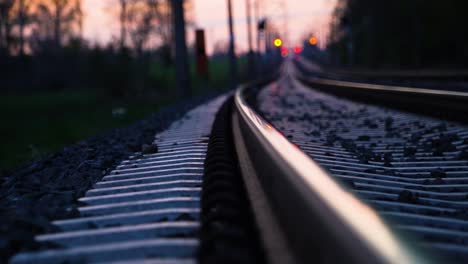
35, 124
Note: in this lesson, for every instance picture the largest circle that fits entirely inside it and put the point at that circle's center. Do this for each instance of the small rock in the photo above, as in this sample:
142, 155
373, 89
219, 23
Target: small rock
388, 123
438, 173
363, 138
463, 155
149, 149
184, 217
133, 146
407, 197
408, 152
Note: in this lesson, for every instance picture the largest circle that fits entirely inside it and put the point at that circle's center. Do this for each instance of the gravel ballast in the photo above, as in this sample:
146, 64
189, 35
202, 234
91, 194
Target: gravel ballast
47, 189
410, 168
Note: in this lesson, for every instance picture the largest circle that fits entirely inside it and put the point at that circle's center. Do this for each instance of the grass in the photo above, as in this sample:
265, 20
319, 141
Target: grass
40, 123
36, 124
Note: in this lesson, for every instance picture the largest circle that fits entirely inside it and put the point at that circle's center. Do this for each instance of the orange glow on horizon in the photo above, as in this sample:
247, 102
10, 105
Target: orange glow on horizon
101, 26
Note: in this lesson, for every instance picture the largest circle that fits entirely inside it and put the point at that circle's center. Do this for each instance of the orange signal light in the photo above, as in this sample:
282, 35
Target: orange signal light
313, 41
278, 42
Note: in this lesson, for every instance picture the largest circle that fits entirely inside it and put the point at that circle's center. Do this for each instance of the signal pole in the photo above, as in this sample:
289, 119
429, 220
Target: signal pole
257, 20
286, 21
250, 56
181, 55
232, 51
258, 57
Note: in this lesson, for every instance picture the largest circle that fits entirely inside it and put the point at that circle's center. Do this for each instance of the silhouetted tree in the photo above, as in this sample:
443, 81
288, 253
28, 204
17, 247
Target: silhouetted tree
410, 33
58, 20
5, 24
123, 22
24, 17
142, 22
148, 24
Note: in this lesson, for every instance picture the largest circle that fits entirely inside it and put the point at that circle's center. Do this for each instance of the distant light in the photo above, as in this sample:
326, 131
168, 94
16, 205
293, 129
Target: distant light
278, 42
313, 41
297, 49
284, 52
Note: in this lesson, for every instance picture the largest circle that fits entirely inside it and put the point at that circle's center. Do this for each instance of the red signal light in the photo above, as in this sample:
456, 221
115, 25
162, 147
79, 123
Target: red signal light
284, 52
297, 49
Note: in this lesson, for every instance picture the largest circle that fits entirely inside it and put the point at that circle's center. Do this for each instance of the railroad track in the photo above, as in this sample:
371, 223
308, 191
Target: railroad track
409, 169
440, 101
146, 210
327, 180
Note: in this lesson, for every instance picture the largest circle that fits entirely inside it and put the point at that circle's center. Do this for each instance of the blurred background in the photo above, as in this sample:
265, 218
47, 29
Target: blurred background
70, 69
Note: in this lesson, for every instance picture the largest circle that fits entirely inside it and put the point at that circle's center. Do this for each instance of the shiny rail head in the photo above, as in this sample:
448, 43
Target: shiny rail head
361, 220
380, 87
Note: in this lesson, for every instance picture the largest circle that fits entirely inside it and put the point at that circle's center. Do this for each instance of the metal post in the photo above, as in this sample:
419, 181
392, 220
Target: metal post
259, 60
181, 55
286, 23
232, 51
200, 53
250, 56
257, 20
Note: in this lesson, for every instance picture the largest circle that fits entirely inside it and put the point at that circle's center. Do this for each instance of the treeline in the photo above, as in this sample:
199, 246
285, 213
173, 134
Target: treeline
42, 47
400, 33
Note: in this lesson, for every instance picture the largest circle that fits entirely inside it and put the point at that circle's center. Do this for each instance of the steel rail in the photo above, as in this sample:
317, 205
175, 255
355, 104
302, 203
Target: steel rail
146, 210
321, 221
450, 105
393, 88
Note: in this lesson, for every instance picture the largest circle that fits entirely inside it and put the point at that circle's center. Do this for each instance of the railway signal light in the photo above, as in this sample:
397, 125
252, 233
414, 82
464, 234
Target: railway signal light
297, 49
313, 41
278, 42
262, 25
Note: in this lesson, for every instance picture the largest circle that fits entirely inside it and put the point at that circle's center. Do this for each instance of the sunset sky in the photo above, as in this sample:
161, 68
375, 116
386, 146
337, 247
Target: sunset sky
304, 16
